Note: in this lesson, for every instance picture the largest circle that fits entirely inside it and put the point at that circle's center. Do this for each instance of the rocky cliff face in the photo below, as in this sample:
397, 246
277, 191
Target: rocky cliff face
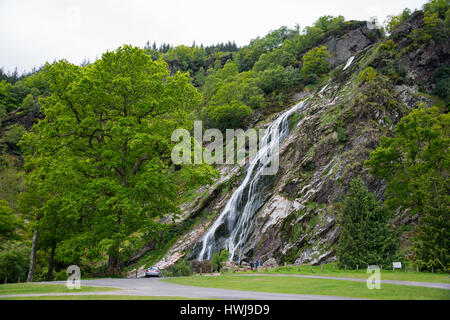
342, 47
342, 125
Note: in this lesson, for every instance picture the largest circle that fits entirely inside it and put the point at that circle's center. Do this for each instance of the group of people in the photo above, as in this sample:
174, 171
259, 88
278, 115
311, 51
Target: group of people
255, 265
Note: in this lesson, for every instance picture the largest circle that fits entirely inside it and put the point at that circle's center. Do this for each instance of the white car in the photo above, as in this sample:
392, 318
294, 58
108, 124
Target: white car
153, 272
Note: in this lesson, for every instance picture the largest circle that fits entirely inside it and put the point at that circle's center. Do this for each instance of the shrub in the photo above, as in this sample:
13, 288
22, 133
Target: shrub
437, 6
394, 21
61, 275
8, 222
224, 117
442, 83
181, 269
367, 75
2, 113
14, 263
341, 134
28, 103
278, 78
14, 134
219, 259
315, 62
388, 45
201, 266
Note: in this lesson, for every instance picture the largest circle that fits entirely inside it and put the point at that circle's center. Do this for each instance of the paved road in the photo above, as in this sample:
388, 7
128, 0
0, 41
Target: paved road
156, 287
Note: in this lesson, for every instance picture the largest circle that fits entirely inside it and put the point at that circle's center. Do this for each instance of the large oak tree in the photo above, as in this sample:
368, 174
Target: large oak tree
97, 164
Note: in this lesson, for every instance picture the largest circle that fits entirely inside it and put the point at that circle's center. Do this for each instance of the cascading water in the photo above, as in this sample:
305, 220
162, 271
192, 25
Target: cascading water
233, 226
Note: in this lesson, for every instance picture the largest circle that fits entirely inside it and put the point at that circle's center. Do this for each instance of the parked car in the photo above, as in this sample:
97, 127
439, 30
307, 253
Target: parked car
153, 272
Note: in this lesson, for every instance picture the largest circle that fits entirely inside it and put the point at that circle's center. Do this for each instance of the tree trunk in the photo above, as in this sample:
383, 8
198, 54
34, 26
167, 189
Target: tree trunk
113, 262
33, 257
51, 263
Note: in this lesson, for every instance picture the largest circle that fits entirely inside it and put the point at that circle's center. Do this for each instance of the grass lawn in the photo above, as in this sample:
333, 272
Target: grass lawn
360, 274
28, 288
97, 297
314, 286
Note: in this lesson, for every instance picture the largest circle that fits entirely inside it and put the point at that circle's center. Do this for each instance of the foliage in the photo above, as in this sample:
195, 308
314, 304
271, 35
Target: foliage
28, 103
329, 23
186, 59
204, 266
278, 78
8, 223
13, 135
219, 259
249, 55
14, 261
415, 165
366, 237
232, 116
436, 6
341, 134
180, 269
368, 75
394, 21
442, 83
2, 113
98, 161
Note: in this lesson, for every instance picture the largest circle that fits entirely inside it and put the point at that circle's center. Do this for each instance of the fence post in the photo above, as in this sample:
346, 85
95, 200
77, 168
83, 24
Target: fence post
333, 266
357, 267
321, 267
136, 273
310, 267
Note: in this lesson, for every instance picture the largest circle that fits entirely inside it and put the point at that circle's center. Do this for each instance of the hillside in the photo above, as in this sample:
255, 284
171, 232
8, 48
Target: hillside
87, 175
341, 125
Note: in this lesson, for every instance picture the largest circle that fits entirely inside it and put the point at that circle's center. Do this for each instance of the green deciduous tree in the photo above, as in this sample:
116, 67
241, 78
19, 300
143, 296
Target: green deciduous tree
315, 62
14, 263
8, 223
415, 164
219, 259
228, 116
13, 135
366, 237
98, 163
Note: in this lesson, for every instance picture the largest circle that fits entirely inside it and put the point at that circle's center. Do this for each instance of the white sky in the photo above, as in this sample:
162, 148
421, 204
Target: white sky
33, 32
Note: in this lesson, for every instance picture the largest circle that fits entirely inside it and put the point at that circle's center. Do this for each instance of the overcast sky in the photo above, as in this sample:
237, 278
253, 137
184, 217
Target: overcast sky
35, 31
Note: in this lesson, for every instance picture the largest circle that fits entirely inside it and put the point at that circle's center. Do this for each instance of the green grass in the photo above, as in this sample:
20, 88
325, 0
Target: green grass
360, 274
294, 285
33, 288
98, 297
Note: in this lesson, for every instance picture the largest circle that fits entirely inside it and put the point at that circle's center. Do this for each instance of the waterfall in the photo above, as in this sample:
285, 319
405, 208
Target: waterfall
233, 226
